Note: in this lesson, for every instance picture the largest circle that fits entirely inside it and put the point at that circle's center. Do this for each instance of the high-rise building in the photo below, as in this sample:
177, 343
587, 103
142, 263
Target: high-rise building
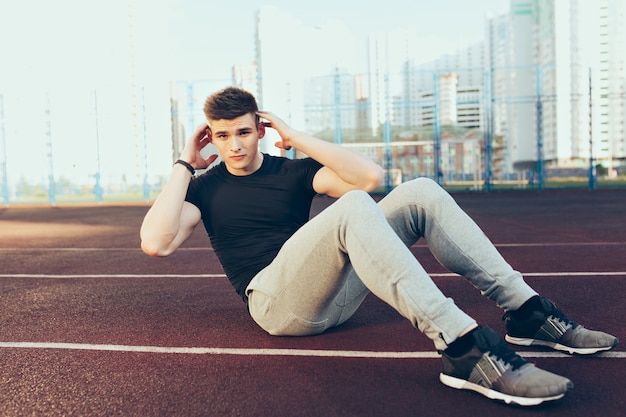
609, 81
558, 80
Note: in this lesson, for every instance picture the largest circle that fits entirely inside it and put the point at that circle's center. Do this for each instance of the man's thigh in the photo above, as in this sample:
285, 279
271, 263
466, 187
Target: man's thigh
310, 286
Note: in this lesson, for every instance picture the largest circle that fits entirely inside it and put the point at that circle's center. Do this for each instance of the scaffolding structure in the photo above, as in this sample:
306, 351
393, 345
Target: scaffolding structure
433, 126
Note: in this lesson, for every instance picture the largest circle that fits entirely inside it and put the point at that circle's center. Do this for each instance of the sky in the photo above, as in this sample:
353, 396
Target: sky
206, 38
54, 53
202, 39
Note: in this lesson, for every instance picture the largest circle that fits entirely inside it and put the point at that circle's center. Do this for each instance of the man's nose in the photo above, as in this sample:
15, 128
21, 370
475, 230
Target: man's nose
236, 145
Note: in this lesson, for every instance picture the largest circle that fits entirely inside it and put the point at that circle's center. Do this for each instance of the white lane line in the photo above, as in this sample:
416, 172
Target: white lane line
268, 352
78, 276
542, 245
574, 274
133, 249
193, 249
443, 274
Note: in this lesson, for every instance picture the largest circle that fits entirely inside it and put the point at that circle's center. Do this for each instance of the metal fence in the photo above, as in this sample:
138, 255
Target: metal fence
469, 129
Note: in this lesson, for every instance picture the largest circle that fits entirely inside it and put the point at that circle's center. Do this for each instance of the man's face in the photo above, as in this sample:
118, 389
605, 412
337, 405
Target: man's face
237, 142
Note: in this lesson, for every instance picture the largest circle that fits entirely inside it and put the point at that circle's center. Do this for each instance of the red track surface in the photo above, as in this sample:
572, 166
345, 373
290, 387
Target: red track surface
75, 275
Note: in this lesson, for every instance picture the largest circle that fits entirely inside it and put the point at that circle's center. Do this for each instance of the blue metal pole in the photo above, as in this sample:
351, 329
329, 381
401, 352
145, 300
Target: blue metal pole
338, 131
592, 179
437, 130
191, 126
488, 133
5, 179
51, 185
387, 138
539, 105
291, 153
97, 187
146, 185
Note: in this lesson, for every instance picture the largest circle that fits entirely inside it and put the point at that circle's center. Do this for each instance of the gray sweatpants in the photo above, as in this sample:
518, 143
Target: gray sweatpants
324, 271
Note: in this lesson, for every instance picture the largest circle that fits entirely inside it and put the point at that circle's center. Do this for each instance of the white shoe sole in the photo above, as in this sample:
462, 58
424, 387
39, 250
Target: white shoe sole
522, 341
458, 383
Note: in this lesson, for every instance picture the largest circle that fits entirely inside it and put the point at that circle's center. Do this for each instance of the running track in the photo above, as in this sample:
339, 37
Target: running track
92, 327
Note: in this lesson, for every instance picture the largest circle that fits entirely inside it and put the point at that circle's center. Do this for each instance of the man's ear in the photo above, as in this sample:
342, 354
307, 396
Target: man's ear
261, 130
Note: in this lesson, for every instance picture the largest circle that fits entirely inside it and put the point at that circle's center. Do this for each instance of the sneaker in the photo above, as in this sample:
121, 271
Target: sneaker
492, 369
553, 329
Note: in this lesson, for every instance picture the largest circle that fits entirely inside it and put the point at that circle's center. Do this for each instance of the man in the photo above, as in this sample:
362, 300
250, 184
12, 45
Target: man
301, 277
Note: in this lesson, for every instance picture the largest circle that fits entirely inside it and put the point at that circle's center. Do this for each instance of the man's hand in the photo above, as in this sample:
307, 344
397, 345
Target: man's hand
197, 142
285, 132
343, 170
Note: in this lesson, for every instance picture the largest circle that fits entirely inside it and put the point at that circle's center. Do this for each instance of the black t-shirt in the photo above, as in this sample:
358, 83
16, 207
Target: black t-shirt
248, 218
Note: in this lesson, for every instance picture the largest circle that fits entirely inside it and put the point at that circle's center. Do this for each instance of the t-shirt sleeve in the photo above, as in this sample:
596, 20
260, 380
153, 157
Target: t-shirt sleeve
309, 168
192, 194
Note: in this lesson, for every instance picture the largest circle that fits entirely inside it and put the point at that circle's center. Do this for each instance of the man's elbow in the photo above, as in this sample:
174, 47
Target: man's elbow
373, 179
152, 249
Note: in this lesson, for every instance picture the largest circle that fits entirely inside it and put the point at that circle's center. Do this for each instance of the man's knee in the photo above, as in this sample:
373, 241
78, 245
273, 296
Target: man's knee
358, 205
424, 185
357, 199
423, 192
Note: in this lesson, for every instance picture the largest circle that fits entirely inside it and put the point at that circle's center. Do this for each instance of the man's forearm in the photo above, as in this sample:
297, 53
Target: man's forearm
350, 166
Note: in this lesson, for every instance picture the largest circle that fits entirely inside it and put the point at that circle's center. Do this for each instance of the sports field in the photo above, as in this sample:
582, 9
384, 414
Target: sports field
93, 327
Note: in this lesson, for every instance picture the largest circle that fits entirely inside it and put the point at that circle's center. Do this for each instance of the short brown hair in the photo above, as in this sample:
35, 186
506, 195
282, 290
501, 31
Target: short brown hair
230, 103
